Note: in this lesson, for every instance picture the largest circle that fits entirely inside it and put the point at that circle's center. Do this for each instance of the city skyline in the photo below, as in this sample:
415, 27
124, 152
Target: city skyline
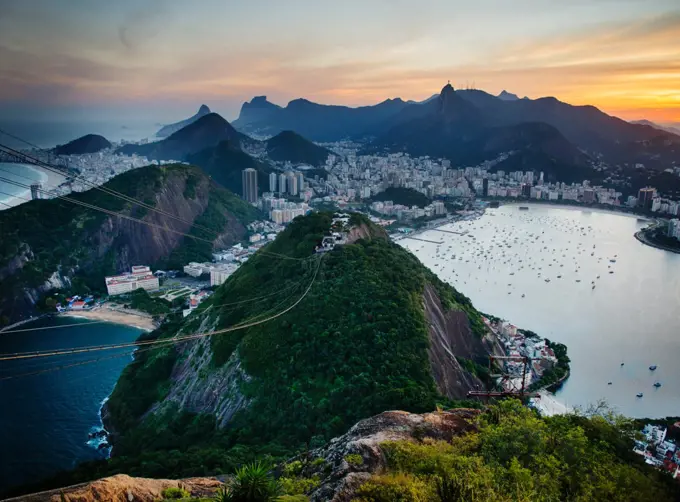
161, 59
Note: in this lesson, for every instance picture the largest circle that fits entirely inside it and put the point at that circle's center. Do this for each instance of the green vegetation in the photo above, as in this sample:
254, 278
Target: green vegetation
335, 359
224, 210
518, 456
405, 196
225, 163
253, 483
558, 372
174, 493
658, 235
289, 146
140, 300
55, 235
354, 459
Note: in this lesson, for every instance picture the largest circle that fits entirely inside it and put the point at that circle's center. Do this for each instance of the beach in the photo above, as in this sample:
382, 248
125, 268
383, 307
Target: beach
25, 174
132, 318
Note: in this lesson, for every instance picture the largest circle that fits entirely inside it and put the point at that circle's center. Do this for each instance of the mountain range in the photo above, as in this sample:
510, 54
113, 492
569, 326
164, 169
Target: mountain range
470, 125
670, 129
169, 129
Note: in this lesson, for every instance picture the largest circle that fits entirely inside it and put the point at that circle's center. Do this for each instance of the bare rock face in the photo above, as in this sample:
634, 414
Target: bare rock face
340, 478
123, 488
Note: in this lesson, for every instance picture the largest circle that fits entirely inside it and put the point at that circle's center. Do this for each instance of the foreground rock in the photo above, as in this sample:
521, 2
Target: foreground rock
340, 478
123, 488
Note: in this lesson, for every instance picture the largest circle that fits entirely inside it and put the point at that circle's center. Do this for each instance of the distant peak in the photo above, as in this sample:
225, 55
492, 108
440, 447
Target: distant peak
507, 96
204, 109
259, 99
448, 88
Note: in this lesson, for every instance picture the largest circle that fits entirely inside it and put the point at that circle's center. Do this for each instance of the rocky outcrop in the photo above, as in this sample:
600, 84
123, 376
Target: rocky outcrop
123, 488
339, 478
452, 338
364, 232
199, 388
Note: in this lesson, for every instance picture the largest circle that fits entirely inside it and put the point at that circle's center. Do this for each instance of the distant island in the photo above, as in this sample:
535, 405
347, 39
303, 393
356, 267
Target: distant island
90, 143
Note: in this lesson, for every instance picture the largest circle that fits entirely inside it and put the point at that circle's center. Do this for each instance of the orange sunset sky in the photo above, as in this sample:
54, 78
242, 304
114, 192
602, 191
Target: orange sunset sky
158, 58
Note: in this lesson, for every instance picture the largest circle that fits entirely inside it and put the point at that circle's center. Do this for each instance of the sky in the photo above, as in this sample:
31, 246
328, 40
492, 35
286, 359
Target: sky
158, 60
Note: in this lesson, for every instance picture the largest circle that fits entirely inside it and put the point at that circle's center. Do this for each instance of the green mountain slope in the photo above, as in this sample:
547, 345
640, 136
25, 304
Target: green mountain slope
405, 196
54, 244
362, 340
207, 131
290, 146
226, 161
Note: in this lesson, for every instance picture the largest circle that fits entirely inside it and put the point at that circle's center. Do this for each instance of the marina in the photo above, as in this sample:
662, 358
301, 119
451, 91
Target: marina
574, 277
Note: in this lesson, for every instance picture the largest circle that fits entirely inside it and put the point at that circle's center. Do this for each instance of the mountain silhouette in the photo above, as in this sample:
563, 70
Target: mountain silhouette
169, 129
205, 132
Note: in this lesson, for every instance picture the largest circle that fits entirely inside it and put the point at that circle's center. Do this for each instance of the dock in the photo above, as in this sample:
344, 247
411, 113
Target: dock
447, 231
423, 240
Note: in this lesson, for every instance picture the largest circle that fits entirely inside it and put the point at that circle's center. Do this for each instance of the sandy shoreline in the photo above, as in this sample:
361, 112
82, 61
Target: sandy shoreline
48, 179
114, 316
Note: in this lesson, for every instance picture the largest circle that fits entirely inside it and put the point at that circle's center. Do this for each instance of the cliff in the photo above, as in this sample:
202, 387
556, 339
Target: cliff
53, 244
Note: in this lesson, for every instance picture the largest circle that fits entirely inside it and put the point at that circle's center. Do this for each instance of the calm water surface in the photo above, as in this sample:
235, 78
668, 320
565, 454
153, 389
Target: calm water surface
631, 316
45, 418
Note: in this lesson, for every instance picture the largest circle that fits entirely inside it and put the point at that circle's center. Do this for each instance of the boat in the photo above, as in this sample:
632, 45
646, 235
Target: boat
621, 364
639, 394
547, 280
578, 280
522, 295
657, 384
523, 208
609, 383
652, 367
593, 286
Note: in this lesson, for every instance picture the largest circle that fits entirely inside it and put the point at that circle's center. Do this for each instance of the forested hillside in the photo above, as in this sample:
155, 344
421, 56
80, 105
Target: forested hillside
55, 244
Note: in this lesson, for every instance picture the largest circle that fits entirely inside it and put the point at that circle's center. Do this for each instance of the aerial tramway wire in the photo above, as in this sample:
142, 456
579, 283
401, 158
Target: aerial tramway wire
32, 160
246, 324
241, 302
50, 327
107, 211
113, 213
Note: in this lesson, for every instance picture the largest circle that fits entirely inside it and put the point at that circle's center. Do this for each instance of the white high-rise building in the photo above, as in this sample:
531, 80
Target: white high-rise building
282, 183
300, 181
272, 182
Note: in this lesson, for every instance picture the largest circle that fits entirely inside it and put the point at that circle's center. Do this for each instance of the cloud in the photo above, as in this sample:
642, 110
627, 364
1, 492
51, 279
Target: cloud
142, 24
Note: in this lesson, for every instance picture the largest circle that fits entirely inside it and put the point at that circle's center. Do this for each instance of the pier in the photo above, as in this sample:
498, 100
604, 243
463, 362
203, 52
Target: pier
423, 240
447, 231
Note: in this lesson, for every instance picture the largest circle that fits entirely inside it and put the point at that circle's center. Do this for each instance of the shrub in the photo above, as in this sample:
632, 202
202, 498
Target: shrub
253, 483
175, 493
394, 488
354, 459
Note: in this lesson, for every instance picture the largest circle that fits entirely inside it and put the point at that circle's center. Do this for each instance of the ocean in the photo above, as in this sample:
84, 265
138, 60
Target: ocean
46, 417
537, 269
21, 173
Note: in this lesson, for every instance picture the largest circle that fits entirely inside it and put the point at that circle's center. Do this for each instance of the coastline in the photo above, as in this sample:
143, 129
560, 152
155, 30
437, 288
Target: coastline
640, 236
131, 319
49, 180
579, 207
